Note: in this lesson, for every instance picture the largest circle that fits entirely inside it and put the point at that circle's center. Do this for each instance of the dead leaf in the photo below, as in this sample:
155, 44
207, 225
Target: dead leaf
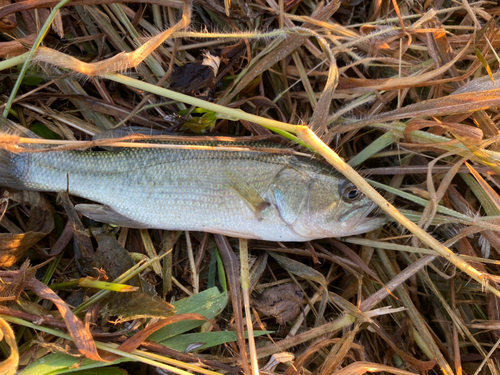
133, 342
14, 245
137, 305
470, 133
299, 269
456, 103
79, 332
290, 44
7, 22
9, 365
16, 47
284, 302
195, 77
12, 290
116, 260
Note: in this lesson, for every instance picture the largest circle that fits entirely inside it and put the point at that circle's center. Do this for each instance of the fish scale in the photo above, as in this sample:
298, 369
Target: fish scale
249, 194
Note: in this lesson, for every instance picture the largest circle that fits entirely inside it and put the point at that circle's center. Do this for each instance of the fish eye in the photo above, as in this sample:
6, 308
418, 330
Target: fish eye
351, 193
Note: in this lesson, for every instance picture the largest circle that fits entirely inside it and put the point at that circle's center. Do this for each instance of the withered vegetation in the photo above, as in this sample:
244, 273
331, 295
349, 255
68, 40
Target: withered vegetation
404, 91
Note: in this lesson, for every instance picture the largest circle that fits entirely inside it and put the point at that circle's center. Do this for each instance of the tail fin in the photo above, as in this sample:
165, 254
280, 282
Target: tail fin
10, 162
8, 170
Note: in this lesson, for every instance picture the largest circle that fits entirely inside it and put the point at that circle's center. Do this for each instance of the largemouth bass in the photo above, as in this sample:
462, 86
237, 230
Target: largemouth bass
248, 194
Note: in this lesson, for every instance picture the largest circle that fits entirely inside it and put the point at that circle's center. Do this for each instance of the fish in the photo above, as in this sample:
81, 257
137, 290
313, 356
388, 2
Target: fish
249, 193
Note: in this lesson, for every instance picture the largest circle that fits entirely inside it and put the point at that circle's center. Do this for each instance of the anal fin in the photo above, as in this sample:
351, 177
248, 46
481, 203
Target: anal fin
105, 214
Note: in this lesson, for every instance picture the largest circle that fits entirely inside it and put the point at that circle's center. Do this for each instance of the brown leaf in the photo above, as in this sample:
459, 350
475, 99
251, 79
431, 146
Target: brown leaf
467, 132
456, 103
290, 44
78, 331
8, 22
319, 118
14, 245
85, 255
18, 283
192, 77
63, 240
137, 305
133, 342
422, 366
9, 365
424, 79
116, 260
284, 302
32, 18
16, 47
299, 269
354, 258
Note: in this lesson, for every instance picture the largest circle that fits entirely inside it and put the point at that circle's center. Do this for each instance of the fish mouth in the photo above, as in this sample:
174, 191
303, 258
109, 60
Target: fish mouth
371, 219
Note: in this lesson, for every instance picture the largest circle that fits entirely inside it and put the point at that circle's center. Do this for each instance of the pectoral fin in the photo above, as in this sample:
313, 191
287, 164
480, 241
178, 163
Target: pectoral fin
105, 214
252, 198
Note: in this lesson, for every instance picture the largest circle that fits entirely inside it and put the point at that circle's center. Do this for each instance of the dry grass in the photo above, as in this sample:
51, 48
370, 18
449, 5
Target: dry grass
401, 90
